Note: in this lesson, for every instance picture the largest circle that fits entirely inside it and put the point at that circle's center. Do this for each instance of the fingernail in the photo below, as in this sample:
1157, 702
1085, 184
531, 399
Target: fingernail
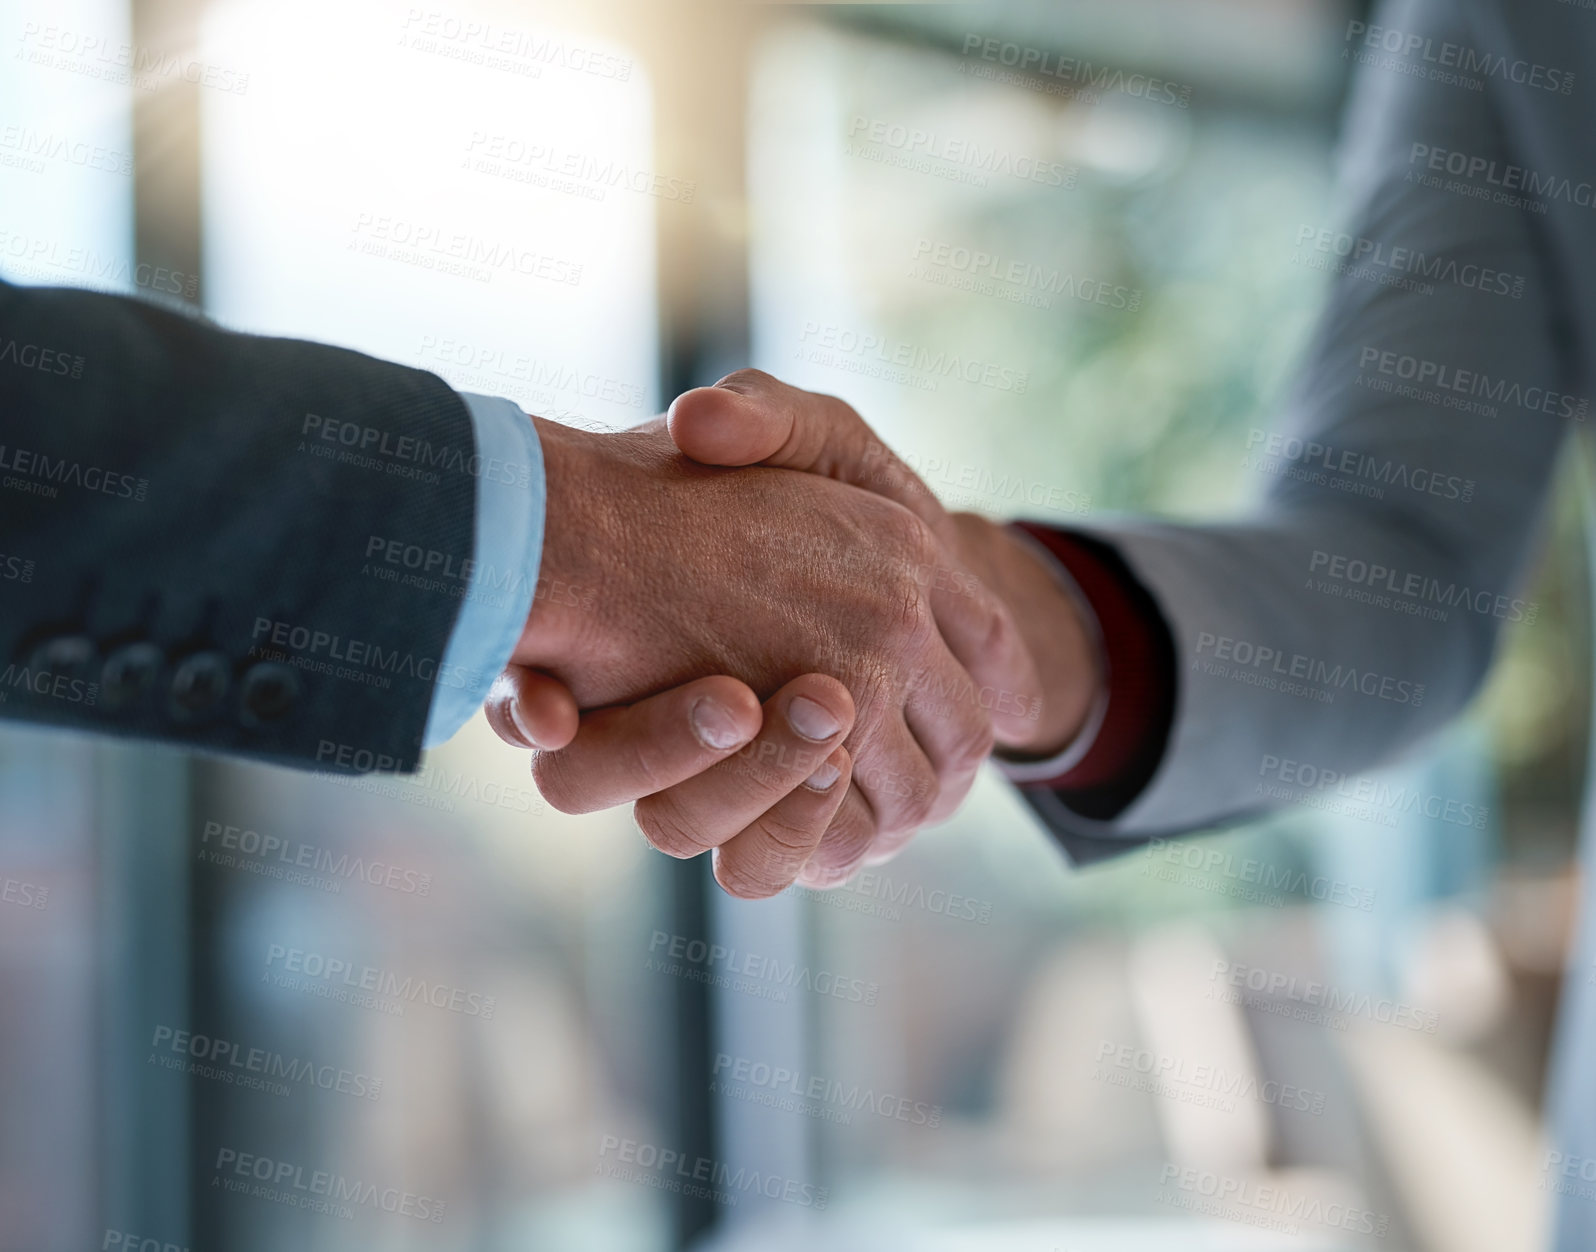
515, 716
715, 726
811, 720
824, 778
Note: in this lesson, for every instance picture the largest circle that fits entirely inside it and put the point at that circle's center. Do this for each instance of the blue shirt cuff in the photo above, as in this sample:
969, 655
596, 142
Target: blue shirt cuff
504, 575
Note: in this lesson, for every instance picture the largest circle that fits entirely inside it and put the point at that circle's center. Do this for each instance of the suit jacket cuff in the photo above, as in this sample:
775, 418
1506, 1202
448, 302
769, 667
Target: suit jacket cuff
1130, 729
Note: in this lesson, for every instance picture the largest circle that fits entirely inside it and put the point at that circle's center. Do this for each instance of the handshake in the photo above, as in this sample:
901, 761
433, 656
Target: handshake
759, 541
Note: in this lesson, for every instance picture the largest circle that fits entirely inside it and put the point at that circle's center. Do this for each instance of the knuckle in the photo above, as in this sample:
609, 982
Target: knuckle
906, 606
902, 617
874, 695
914, 621
846, 841
745, 377
551, 774
743, 881
952, 794
767, 767
788, 835
917, 808
910, 803
841, 415
903, 531
665, 826
973, 745
888, 846
884, 850
646, 764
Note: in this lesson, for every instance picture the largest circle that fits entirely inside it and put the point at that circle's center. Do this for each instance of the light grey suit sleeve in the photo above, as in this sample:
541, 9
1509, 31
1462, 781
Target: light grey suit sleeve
1420, 436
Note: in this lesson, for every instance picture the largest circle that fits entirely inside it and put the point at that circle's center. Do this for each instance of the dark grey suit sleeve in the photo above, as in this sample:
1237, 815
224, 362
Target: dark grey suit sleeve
184, 555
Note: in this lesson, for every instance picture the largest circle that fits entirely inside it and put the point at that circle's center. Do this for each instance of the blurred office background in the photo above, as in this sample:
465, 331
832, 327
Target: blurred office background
574, 1043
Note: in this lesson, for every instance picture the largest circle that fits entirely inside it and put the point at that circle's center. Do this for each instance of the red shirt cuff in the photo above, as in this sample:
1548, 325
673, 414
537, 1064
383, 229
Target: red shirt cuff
1139, 655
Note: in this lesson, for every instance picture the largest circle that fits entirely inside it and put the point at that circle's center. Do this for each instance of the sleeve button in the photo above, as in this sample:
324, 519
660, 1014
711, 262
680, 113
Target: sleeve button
130, 674
271, 692
199, 686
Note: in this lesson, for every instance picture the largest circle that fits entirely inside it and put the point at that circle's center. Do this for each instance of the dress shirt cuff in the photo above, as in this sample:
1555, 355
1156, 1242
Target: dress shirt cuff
1138, 653
504, 573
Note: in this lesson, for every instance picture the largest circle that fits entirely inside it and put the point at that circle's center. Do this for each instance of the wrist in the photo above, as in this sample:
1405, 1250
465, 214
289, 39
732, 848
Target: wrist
1065, 638
1053, 623
571, 573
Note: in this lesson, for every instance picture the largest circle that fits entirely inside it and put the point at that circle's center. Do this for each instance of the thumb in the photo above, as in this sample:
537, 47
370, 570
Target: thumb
750, 418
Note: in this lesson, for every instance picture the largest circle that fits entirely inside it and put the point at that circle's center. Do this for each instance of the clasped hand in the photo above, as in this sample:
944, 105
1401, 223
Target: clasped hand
821, 573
